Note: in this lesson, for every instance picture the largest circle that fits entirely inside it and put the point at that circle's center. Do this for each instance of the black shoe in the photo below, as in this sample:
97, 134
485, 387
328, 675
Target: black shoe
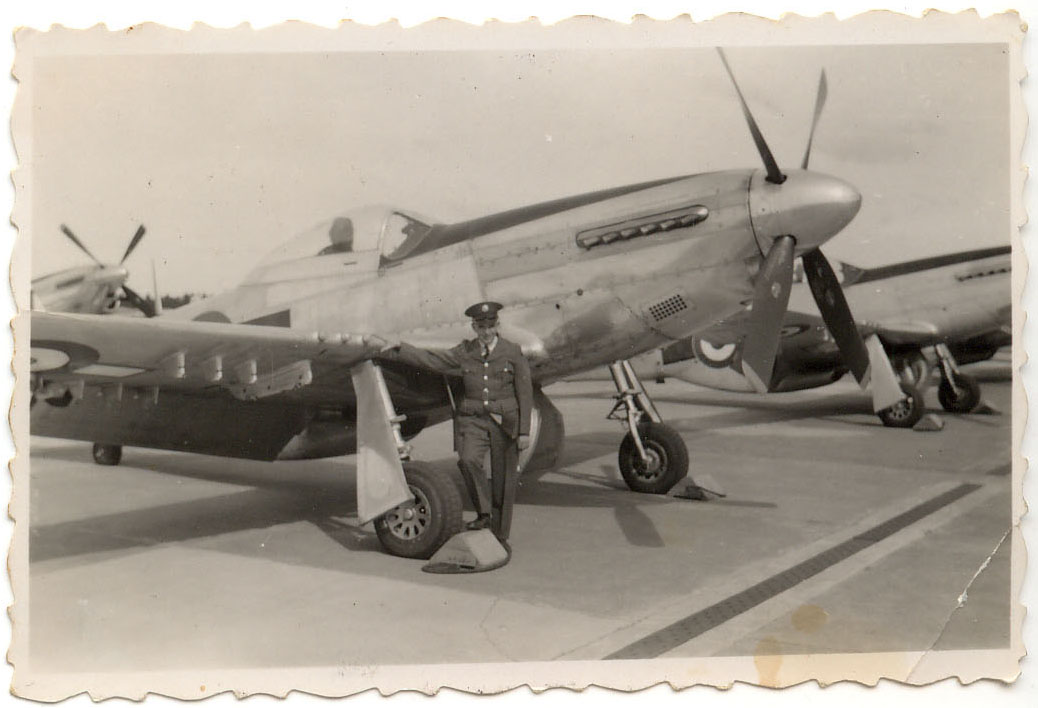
481, 522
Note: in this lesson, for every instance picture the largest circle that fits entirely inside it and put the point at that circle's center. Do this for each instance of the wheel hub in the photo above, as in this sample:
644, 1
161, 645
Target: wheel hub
900, 410
652, 465
409, 520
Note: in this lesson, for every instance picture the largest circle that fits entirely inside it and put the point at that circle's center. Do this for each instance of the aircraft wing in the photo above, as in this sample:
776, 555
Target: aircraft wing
249, 361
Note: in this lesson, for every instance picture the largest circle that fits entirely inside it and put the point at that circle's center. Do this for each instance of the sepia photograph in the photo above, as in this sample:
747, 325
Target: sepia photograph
488, 356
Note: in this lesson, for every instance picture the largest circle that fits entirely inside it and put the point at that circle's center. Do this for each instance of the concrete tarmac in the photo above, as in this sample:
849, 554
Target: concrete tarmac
836, 535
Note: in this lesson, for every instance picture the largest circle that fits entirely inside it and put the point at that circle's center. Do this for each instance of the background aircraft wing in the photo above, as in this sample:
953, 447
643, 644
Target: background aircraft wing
248, 361
905, 331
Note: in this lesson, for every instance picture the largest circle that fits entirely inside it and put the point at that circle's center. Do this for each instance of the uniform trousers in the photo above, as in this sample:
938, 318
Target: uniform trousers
476, 435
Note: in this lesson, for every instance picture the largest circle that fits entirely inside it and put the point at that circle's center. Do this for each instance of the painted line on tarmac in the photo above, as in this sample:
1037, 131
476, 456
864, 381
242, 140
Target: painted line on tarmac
645, 620
701, 621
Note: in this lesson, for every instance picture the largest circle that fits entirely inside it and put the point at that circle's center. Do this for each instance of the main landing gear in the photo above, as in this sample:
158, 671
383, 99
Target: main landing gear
653, 457
414, 513
957, 392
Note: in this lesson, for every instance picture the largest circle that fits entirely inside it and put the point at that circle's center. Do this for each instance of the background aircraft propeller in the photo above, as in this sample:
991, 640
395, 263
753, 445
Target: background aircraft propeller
771, 290
68, 232
130, 295
133, 243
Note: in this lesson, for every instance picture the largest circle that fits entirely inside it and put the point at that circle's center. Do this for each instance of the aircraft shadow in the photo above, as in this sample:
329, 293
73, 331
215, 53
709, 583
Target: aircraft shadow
321, 492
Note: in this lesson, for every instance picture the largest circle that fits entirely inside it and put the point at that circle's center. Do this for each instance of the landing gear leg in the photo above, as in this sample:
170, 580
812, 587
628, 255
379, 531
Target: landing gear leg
958, 393
653, 457
415, 508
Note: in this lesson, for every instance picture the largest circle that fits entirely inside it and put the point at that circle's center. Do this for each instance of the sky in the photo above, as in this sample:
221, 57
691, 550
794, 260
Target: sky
224, 156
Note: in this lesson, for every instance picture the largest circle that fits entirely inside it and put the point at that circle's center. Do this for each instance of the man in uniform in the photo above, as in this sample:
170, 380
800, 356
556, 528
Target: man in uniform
493, 415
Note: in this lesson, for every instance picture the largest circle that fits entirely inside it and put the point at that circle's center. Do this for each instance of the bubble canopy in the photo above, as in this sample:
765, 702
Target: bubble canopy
392, 232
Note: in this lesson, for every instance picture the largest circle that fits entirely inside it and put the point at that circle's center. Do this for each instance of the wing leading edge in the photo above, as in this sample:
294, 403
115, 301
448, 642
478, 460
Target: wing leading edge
250, 362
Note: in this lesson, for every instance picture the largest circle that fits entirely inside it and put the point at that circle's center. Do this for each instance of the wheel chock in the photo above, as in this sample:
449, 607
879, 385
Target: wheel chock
985, 408
690, 489
469, 552
931, 422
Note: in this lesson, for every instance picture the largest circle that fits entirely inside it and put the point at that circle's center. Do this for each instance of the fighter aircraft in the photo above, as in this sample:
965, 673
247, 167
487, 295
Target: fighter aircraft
306, 377
931, 313
96, 289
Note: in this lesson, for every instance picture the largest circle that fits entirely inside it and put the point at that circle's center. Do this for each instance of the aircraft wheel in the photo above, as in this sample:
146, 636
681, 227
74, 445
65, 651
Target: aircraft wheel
418, 528
962, 396
61, 401
107, 454
667, 463
906, 413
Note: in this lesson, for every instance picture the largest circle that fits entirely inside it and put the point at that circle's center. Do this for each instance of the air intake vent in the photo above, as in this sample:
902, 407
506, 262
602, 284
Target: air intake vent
668, 308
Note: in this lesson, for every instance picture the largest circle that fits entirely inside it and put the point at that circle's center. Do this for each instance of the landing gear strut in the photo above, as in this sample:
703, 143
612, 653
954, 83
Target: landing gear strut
653, 457
958, 393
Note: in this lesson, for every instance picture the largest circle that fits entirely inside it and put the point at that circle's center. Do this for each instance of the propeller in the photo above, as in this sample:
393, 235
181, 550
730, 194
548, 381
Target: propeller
816, 195
770, 297
775, 175
133, 243
823, 93
130, 295
68, 232
137, 301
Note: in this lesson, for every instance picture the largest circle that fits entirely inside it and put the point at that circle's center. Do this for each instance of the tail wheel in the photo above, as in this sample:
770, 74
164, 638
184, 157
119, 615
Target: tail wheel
107, 454
960, 396
418, 528
906, 413
667, 460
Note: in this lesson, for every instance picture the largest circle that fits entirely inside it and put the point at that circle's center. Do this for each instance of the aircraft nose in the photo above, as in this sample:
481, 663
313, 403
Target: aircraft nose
810, 206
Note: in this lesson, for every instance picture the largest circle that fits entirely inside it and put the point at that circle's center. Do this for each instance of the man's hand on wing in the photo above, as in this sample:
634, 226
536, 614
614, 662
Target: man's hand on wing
524, 442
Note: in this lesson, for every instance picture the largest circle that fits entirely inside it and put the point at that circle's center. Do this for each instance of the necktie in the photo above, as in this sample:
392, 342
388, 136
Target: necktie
486, 352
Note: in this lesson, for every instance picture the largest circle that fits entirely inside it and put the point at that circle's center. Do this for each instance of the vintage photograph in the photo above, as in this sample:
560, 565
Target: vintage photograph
478, 357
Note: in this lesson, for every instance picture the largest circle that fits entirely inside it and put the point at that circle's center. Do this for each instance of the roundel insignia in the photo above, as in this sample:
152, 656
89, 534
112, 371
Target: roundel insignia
41, 359
51, 355
718, 357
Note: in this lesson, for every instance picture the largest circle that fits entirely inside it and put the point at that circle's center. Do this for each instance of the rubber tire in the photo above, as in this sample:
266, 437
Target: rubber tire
109, 455
668, 446
444, 511
961, 397
907, 413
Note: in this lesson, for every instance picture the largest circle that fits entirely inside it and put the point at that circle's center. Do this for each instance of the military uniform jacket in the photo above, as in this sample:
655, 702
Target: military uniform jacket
500, 385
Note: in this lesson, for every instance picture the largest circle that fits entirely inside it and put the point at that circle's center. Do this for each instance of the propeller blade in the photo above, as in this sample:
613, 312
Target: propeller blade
837, 315
138, 302
775, 175
770, 297
68, 232
133, 243
823, 93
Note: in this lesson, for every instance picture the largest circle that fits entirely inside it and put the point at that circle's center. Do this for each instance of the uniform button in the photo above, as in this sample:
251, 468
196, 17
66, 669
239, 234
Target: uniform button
486, 363
484, 377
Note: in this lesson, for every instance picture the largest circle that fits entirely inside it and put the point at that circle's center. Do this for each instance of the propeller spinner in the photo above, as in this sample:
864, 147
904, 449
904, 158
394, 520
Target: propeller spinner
795, 213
